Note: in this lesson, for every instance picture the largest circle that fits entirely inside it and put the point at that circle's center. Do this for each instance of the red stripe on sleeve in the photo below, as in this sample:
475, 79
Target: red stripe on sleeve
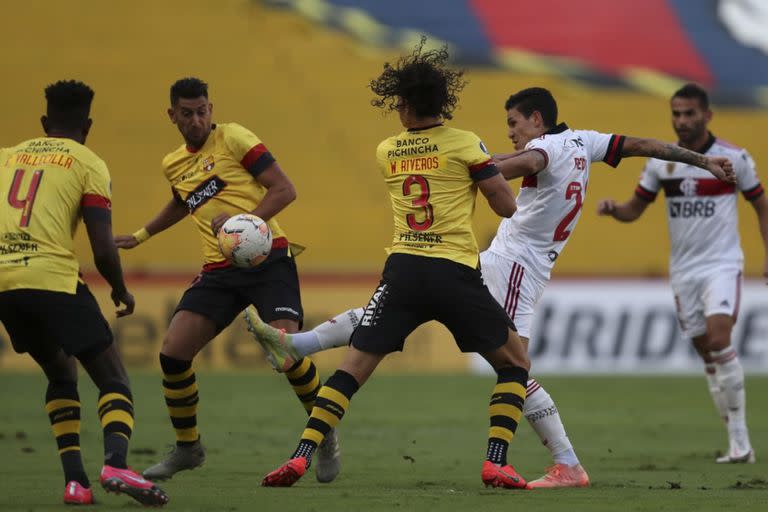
480, 166
252, 155
645, 194
753, 193
95, 201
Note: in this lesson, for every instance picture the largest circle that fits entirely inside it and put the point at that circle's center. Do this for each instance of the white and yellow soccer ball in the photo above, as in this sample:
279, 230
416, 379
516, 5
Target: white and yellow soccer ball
245, 240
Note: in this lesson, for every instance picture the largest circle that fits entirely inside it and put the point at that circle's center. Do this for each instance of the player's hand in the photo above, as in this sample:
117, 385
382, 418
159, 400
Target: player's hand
126, 242
722, 168
217, 222
606, 207
123, 297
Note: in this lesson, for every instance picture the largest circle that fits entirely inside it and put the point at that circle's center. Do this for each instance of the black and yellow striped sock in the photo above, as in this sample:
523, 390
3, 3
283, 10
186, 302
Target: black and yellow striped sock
180, 390
505, 411
62, 403
116, 414
331, 403
305, 381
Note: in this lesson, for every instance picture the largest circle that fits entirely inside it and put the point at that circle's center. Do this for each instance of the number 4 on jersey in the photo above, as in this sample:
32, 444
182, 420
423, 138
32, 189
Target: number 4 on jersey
573, 191
25, 205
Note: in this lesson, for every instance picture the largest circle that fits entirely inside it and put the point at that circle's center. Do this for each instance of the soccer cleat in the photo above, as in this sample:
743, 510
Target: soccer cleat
76, 494
561, 475
287, 474
731, 458
328, 458
501, 476
126, 481
180, 458
275, 342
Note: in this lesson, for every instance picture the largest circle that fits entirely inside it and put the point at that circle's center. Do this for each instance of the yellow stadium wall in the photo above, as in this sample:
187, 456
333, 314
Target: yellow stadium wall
302, 89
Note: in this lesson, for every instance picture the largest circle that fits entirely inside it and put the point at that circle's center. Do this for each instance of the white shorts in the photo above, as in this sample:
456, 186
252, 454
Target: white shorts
712, 293
513, 286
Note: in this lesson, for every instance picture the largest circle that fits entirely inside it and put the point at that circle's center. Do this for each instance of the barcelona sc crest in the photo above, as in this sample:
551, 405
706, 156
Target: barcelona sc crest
208, 164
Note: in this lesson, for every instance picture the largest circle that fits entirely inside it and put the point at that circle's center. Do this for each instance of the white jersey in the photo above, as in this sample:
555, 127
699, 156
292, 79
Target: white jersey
549, 203
701, 210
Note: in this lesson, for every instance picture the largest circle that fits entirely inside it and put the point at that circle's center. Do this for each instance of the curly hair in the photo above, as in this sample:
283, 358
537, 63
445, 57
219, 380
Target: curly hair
421, 81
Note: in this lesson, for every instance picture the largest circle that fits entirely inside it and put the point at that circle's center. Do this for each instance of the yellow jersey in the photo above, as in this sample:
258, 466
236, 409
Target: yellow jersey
220, 177
44, 185
431, 175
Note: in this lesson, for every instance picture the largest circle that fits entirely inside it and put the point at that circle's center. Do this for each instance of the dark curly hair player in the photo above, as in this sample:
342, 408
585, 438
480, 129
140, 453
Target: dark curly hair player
432, 173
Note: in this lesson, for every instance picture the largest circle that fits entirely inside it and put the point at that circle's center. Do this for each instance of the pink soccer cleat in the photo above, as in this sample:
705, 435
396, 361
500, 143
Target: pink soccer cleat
129, 482
76, 494
561, 475
501, 476
287, 474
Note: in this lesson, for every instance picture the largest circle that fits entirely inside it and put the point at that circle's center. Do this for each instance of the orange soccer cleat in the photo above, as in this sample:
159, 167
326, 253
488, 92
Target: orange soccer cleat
561, 475
501, 476
287, 474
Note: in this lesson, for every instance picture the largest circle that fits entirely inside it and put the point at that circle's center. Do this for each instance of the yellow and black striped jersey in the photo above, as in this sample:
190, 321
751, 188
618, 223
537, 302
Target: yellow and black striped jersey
220, 177
44, 185
431, 175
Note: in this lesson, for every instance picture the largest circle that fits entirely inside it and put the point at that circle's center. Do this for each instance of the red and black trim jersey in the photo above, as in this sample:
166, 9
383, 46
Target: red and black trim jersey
220, 178
47, 185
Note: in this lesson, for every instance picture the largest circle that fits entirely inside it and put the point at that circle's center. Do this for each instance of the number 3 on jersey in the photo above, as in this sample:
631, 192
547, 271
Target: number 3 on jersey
573, 191
25, 205
422, 202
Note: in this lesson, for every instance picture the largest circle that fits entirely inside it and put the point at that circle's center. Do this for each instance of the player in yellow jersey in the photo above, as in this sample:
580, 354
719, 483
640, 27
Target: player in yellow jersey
223, 170
433, 173
47, 184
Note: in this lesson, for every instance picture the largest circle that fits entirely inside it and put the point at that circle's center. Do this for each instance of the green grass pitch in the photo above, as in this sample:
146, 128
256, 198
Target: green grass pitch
408, 443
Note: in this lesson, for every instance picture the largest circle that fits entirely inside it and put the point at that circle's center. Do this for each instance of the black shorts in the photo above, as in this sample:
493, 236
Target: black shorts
41, 322
221, 294
416, 289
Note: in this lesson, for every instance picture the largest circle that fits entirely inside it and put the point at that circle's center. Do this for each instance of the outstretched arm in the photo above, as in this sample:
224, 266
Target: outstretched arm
171, 213
499, 195
522, 163
761, 209
625, 212
720, 167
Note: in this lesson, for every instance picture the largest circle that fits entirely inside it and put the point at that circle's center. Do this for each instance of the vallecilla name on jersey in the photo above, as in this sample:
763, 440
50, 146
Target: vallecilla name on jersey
59, 159
414, 165
205, 191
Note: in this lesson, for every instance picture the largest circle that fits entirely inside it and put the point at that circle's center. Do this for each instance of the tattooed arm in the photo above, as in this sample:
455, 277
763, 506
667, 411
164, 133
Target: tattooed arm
721, 167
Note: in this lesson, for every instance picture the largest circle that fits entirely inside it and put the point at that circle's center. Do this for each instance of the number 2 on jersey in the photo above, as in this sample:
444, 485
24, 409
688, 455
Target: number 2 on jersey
573, 191
422, 201
25, 205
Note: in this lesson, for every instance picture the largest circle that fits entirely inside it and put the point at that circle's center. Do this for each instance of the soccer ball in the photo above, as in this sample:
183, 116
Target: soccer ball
245, 240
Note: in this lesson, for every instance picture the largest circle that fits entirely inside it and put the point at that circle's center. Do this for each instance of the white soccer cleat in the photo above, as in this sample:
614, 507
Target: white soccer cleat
736, 458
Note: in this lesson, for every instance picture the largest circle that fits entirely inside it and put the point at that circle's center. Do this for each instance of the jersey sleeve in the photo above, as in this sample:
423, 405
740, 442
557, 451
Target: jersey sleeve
603, 147
649, 183
248, 149
746, 177
96, 202
478, 159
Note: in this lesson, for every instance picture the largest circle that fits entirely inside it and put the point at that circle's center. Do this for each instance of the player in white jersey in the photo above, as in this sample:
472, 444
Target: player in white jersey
554, 162
706, 260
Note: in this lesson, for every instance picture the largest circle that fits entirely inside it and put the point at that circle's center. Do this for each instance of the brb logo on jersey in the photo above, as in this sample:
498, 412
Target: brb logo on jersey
208, 164
688, 187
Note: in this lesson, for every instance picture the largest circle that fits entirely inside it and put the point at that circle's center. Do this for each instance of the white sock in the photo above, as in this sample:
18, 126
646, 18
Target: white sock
330, 334
540, 411
730, 376
718, 396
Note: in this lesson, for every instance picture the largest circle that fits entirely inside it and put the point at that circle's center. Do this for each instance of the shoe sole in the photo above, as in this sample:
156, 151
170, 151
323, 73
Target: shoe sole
497, 482
532, 485
148, 497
